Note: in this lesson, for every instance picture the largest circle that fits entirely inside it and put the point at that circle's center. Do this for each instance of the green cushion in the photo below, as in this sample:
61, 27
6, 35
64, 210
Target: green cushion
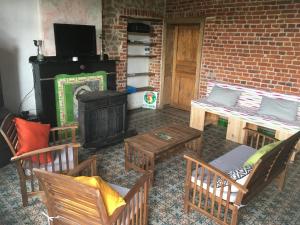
260, 152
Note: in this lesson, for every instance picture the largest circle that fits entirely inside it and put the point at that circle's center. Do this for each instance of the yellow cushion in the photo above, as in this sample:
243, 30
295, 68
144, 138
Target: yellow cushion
112, 199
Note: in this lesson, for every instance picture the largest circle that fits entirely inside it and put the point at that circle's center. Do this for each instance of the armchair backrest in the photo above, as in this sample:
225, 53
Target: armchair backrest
271, 165
71, 202
9, 132
57, 136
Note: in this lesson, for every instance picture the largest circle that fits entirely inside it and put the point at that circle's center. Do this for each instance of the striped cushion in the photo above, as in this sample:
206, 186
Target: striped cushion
237, 175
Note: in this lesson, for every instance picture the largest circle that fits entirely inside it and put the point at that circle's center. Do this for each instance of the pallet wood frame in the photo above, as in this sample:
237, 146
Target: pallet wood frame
271, 166
63, 138
204, 113
70, 202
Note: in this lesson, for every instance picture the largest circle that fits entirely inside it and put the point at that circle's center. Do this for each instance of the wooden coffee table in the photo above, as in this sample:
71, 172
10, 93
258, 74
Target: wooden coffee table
143, 150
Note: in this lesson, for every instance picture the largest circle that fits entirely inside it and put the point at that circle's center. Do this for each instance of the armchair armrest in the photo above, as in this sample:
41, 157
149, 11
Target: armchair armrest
87, 164
44, 150
136, 203
144, 181
213, 171
64, 128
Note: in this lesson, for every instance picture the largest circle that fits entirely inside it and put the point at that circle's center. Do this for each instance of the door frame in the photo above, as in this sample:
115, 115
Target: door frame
180, 21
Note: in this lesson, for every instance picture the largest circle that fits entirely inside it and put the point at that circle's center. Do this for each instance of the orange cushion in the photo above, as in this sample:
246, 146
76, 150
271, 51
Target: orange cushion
32, 136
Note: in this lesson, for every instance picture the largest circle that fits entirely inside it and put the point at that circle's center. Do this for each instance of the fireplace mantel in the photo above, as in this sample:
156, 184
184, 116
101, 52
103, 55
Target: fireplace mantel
45, 71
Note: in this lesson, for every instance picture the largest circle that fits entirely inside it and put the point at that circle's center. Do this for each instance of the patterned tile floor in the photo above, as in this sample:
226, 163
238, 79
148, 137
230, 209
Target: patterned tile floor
270, 207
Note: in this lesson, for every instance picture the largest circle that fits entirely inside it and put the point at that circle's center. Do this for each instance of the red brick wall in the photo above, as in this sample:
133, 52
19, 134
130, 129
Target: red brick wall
156, 49
249, 43
115, 34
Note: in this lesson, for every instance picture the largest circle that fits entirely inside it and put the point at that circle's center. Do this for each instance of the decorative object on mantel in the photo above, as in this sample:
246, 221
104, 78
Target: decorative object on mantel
39, 44
68, 87
101, 46
102, 55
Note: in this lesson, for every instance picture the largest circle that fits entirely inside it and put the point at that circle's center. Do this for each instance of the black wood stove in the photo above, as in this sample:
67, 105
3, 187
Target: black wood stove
102, 118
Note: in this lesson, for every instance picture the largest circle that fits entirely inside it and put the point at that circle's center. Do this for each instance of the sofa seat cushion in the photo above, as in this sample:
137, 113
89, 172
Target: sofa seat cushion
56, 166
233, 194
233, 159
228, 162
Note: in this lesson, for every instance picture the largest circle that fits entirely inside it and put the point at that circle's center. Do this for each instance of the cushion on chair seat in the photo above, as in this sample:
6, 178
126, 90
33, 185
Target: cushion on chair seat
26, 165
121, 190
218, 190
233, 159
230, 161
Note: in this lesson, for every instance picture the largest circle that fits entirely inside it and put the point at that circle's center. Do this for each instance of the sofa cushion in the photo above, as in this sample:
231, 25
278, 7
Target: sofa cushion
240, 175
260, 153
223, 96
233, 194
233, 159
280, 108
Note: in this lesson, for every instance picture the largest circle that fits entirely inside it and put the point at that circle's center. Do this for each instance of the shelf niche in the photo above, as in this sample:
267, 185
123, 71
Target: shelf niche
139, 58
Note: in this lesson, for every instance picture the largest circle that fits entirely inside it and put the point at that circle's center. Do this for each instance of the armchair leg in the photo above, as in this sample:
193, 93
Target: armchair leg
281, 180
234, 217
23, 187
186, 199
24, 192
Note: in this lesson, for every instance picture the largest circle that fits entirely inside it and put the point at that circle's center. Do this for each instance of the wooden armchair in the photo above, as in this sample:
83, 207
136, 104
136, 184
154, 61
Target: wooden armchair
211, 191
62, 147
70, 202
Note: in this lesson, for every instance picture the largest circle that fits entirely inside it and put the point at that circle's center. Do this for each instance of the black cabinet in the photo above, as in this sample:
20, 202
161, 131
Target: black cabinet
102, 118
44, 73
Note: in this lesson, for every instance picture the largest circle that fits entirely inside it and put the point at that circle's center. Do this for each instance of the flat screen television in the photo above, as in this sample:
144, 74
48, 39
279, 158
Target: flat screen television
75, 40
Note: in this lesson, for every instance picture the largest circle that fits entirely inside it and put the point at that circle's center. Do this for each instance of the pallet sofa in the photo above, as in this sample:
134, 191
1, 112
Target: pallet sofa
243, 114
210, 190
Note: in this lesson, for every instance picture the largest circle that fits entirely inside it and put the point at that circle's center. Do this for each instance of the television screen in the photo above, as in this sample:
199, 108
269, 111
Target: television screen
75, 40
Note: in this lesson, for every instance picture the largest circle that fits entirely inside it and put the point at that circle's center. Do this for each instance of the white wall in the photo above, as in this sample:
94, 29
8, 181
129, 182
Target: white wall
88, 12
19, 26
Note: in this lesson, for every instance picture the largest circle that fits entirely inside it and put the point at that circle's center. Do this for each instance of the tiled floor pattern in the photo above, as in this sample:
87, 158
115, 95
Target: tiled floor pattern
166, 197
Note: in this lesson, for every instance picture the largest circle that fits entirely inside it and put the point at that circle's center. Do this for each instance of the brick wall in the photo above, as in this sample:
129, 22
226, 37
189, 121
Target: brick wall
115, 33
247, 42
155, 63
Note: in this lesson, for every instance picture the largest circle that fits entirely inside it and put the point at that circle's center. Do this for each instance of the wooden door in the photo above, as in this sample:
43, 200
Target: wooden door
185, 57
168, 64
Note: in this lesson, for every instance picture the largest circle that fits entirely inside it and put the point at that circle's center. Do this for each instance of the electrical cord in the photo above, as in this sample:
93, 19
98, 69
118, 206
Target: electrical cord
23, 100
